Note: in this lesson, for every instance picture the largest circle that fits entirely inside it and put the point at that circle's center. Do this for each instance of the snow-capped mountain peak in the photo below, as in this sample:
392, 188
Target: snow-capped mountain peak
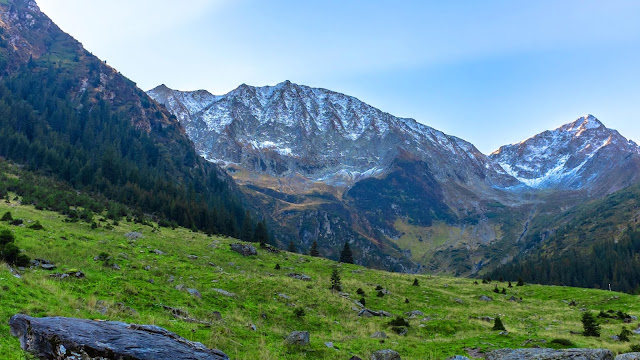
572, 156
295, 129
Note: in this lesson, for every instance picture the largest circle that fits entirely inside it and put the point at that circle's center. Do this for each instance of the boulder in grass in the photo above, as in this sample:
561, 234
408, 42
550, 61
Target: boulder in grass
298, 338
386, 354
71, 338
550, 354
244, 249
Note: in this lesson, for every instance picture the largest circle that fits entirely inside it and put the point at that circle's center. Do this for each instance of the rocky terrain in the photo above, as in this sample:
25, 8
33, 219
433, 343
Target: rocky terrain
325, 166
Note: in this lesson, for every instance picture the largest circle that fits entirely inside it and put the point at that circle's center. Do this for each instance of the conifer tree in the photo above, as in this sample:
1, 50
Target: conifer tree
590, 325
336, 282
261, 235
292, 247
497, 324
314, 249
246, 234
346, 256
415, 282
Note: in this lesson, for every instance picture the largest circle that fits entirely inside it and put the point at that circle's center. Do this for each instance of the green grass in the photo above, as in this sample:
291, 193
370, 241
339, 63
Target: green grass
329, 317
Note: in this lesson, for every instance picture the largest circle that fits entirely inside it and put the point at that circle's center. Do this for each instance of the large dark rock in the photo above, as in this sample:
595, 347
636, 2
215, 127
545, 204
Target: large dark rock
386, 354
244, 249
550, 354
70, 338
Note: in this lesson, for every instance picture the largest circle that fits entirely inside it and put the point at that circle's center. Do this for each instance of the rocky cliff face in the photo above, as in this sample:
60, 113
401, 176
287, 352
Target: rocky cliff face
328, 167
583, 154
290, 129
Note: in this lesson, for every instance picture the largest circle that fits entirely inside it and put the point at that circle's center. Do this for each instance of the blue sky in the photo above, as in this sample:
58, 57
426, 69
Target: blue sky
490, 72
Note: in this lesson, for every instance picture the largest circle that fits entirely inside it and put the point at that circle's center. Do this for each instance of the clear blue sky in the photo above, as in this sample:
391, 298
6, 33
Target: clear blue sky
490, 72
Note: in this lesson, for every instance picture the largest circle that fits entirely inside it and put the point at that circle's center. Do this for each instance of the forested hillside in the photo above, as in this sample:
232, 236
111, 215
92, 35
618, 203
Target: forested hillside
65, 113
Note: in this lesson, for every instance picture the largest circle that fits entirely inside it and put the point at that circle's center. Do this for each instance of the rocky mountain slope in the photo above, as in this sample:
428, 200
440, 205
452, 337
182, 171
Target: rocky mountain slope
328, 167
583, 154
331, 168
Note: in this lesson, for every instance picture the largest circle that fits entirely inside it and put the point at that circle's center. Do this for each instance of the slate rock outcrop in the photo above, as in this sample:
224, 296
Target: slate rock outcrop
71, 338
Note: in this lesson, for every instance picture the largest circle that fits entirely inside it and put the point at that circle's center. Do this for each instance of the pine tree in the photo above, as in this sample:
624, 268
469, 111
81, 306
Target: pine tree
497, 324
246, 234
292, 247
495, 290
7, 216
346, 256
336, 282
314, 249
510, 284
520, 282
261, 235
504, 291
415, 282
590, 325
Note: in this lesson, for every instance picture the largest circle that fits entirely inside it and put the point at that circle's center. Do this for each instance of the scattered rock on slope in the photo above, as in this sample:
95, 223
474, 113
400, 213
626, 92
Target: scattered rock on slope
59, 337
385, 355
244, 249
299, 338
550, 354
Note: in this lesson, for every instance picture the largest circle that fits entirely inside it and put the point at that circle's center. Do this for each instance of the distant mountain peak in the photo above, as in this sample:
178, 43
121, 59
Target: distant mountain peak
571, 156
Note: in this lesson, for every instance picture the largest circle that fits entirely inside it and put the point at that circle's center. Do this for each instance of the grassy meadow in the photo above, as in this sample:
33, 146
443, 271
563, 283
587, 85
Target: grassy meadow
268, 300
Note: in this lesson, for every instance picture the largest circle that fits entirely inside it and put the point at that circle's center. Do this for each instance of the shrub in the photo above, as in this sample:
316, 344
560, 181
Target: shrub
362, 301
504, 291
495, 290
36, 226
378, 287
590, 325
624, 334
562, 342
406, 301
415, 282
634, 348
360, 291
277, 267
520, 282
399, 321
336, 283
510, 286
7, 216
380, 294
16, 222
497, 324
9, 252
299, 312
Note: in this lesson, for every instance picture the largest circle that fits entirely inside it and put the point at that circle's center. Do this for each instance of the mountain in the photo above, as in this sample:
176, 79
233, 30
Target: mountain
290, 129
583, 154
328, 167
68, 114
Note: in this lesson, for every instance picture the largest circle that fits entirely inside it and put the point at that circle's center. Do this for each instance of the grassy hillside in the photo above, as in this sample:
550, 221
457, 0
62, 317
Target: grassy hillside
137, 291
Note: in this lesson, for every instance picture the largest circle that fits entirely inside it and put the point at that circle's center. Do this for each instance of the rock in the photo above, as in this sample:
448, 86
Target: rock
459, 301
302, 277
60, 338
485, 298
284, 296
379, 335
244, 249
298, 338
368, 313
385, 313
457, 357
550, 354
615, 337
329, 345
503, 333
513, 298
75, 274
216, 315
158, 252
147, 267
133, 235
402, 331
355, 358
195, 293
224, 292
385, 355
179, 287
47, 266
629, 356
252, 327
414, 313
116, 267
192, 257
